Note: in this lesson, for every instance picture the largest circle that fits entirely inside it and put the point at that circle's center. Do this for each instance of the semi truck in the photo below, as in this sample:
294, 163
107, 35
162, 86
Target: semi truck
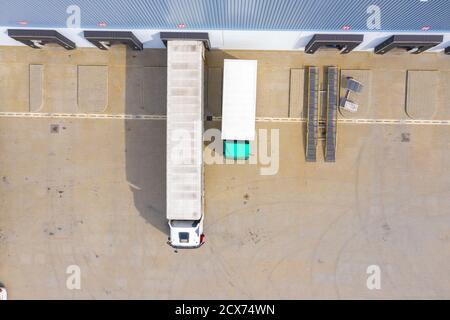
238, 107
184, 160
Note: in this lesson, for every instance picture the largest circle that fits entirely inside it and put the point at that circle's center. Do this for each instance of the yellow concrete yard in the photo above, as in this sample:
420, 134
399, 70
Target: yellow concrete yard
82, 169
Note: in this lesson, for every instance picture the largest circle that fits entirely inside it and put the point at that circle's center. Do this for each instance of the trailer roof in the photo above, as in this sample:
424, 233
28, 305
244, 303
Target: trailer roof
184, 130
239, 99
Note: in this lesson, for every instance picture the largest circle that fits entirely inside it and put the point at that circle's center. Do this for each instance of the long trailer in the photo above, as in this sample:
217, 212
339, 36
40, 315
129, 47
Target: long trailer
184, 209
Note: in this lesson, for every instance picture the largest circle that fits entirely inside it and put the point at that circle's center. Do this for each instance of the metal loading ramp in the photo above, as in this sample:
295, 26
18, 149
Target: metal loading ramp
331, 121
312, 118
185, 65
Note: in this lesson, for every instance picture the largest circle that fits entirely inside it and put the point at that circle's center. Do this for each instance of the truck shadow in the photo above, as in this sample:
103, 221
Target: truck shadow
145, 140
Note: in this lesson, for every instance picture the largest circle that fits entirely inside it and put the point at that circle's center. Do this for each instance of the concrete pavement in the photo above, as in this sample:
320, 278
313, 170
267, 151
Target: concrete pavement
91, 192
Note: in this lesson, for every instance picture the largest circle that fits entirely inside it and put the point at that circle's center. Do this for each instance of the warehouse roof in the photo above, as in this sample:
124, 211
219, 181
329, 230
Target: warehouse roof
399, 15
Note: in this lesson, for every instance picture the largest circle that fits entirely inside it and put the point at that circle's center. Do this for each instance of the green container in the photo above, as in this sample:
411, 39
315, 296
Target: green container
236, 149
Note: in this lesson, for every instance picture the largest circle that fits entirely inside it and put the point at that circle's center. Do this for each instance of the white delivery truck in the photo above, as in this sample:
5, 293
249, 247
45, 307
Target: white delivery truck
184, 208
238, 107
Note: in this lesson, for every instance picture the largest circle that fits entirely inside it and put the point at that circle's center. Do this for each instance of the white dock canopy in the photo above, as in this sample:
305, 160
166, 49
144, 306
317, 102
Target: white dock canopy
239, 99
184, 130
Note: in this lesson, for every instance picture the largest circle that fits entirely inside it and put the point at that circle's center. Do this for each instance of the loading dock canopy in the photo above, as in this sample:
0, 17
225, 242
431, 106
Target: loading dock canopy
239, 99
343, 42
38, 38
193, 36
412, 43
104, 39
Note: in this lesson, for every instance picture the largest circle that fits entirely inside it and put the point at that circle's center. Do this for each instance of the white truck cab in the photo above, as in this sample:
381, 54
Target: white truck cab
186, 233
3, 293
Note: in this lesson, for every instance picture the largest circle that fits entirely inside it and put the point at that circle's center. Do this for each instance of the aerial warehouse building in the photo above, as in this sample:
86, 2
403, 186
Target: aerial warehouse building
238, 107
184, 165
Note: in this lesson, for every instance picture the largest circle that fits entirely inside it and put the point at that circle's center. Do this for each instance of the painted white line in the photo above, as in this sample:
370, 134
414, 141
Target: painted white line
395, 121
163, 117
81, 116
363, 121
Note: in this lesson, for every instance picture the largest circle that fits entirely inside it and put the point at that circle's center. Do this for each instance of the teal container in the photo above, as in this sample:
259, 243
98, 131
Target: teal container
236, 149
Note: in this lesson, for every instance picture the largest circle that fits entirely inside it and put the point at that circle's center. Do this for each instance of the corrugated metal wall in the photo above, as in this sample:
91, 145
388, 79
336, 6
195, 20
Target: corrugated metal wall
398, 15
